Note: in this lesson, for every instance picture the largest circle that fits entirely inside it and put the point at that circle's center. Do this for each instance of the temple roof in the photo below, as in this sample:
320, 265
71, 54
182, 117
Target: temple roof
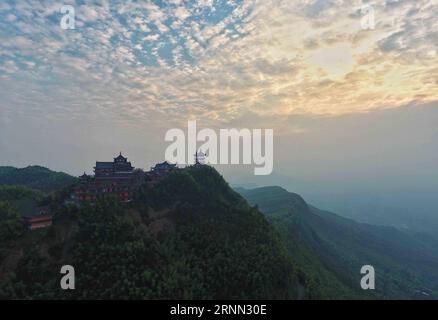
84, 176
40, 218
104, 165
120, 158
165, 165
119, 164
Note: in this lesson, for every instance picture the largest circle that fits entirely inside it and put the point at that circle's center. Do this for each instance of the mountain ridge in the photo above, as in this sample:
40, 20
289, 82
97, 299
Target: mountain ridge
203, 236
36, 177
212, 246
407, 268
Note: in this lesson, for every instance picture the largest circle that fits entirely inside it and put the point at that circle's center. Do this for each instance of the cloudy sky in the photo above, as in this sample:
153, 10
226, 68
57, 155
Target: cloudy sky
335, 93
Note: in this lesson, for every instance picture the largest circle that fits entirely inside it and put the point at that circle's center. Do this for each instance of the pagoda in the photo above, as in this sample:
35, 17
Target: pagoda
117, 178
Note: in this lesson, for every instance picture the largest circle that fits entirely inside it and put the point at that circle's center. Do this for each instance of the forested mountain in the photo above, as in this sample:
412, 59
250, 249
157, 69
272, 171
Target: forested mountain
188, 236
333, 248
35, 177
26, 189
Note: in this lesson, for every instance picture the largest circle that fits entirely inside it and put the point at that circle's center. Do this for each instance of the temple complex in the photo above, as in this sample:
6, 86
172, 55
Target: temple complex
117, 178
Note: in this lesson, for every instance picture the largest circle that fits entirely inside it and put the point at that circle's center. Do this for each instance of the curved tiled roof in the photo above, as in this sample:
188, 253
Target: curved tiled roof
120, 157
104, 165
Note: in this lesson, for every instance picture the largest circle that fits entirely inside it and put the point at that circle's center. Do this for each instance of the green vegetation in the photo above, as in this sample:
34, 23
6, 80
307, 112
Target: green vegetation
332, 249
22, 199
35, 177
11, 222
189, 236
12, 193
26, 200
6, 169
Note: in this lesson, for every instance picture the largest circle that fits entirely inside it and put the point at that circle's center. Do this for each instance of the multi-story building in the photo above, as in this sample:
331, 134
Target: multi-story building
117, 178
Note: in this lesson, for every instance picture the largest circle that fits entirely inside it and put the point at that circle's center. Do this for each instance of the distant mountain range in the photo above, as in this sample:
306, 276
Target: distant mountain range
410, 208
35, 177
333, 248
411, 211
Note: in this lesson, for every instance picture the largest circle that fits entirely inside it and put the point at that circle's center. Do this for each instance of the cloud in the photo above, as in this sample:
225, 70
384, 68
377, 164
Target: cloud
217, 61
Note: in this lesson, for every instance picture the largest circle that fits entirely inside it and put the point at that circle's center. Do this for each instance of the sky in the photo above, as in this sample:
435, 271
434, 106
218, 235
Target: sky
350, 106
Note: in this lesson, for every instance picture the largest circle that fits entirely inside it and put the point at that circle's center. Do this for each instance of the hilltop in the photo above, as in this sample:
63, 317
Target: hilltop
187, 236
35, 177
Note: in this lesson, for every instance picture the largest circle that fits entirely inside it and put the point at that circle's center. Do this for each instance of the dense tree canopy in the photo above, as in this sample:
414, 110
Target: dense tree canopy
213, 246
